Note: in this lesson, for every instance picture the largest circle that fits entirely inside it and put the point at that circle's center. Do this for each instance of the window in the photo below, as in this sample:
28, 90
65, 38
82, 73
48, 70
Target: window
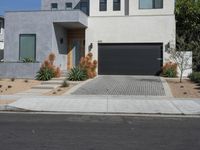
68, 6
116, 5
84, 6
54, 6
27, 46
1, 26
102, 5
151, 4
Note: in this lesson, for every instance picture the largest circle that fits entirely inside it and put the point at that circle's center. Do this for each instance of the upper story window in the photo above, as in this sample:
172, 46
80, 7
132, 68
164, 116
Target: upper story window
102, 5
54, 6
151, 4
116, 5
68, 6
84, 6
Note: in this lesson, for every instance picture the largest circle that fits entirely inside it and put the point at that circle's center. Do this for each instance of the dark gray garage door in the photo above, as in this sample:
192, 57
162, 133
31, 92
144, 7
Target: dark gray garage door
130, 59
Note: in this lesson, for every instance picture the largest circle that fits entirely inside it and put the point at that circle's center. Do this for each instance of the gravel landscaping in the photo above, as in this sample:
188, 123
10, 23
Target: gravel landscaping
13, 86
186, 89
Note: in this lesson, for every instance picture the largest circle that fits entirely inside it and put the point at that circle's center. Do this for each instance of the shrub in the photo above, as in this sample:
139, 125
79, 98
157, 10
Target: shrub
48, 70
45, 74
27, 60
52, 58
65, 83
195, 77
89, 65
169, 70
12, 79
57, 72
77, 74
9, 86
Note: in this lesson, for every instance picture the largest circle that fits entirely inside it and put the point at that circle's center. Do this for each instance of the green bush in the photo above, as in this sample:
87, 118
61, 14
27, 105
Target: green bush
27, 60
195, 77
171, 73
45, 74
77, 74
169, 70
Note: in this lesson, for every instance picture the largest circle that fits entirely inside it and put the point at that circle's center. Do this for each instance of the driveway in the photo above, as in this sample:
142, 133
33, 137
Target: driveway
123, 85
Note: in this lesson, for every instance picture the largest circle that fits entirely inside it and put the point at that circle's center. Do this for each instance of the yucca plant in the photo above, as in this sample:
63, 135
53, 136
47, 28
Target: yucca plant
45, 74
77, 74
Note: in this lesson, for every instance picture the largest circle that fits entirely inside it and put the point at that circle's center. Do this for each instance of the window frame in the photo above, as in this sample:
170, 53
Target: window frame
153, 5
102, 3
20, 35
52, 6
118, 3
68, 8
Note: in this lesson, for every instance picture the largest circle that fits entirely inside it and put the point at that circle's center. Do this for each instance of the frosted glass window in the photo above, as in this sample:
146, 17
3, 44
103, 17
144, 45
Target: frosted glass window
27, 47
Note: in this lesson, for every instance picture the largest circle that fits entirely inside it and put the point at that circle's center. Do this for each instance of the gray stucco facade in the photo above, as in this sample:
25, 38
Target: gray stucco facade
50, 27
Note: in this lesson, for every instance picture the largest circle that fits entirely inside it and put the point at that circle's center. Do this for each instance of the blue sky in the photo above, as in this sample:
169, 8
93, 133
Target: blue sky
11, 5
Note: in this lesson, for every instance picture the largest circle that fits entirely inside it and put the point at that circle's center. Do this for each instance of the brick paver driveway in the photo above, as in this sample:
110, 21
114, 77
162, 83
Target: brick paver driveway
123, 85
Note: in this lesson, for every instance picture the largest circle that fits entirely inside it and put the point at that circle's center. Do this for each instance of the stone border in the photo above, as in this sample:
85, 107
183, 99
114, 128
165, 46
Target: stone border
166, 87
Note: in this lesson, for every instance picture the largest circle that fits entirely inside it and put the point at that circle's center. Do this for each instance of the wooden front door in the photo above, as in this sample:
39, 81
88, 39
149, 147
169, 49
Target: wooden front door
76, 47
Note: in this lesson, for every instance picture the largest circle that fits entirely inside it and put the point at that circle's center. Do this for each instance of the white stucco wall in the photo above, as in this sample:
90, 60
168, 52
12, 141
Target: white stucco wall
130, 29
188, 57
94, 9
168, 8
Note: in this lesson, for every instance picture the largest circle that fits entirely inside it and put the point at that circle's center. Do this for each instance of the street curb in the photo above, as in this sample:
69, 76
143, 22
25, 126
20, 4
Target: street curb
10, 108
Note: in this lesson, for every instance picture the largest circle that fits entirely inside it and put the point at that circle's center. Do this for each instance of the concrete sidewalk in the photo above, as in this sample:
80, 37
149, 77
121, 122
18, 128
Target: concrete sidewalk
110, 104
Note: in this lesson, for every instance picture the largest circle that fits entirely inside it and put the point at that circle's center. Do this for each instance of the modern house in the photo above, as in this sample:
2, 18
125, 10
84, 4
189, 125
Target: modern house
127, 37
1, 37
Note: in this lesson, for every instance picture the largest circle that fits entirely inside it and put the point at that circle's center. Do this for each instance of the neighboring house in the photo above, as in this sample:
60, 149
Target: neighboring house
1, 37
127, 37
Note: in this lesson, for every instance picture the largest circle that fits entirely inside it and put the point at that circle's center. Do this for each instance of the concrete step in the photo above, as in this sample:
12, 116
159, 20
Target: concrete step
46, 86
59, 79
52, 82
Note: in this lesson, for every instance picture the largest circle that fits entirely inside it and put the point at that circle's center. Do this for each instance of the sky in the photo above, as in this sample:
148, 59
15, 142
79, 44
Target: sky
13, 5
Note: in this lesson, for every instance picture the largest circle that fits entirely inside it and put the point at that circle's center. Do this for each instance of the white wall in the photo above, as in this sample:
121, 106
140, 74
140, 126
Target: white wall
130, 29
94, 9
168, 9
188, 57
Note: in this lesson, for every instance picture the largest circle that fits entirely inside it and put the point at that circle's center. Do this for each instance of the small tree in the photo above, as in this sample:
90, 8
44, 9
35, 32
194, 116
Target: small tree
180, 56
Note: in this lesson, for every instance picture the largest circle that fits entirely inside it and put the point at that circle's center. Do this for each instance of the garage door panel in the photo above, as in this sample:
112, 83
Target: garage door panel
129, 59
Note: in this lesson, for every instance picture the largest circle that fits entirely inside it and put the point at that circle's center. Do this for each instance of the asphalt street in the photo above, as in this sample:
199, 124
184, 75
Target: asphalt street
74, 132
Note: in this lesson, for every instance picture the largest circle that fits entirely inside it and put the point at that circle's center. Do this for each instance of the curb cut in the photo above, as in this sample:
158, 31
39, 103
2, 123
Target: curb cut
10, 108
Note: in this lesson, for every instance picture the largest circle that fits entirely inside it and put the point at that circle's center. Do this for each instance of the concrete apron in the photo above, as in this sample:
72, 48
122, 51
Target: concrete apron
109, 105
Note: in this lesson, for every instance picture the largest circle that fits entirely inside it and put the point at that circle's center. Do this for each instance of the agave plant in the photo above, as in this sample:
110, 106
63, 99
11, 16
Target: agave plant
45, 74
77, 74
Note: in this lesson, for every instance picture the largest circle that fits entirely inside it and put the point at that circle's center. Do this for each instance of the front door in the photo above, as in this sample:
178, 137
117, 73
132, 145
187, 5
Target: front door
76, 48
76, 52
